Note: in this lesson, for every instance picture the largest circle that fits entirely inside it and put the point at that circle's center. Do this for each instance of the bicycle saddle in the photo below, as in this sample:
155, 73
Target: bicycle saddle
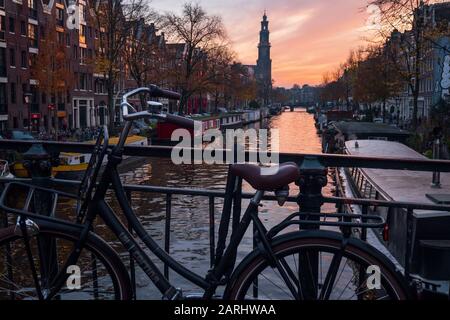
267, 179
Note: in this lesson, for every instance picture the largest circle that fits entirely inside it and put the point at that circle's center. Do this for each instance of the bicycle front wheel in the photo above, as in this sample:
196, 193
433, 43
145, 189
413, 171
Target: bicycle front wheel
98, 274
313, 266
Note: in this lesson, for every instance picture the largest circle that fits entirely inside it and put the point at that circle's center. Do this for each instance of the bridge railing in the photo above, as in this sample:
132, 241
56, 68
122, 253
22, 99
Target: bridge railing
314, 177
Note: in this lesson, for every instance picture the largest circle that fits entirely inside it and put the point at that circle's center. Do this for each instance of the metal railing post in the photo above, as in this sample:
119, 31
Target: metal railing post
212, 232
167, 231
313, 177
38, 163
132, 264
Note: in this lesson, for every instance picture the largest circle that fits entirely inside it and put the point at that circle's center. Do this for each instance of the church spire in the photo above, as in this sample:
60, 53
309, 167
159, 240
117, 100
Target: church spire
264, 63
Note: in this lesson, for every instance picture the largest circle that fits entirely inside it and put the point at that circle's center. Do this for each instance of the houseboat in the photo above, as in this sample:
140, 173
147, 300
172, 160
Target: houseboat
231, 121
223, 121
337, 133
252, 116
430, 249
73, 165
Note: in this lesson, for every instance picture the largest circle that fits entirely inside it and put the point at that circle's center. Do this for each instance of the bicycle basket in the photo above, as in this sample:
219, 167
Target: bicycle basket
89, 181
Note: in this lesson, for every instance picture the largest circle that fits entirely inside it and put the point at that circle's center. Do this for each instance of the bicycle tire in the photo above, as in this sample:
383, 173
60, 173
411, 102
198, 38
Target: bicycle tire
254, 264
110, 261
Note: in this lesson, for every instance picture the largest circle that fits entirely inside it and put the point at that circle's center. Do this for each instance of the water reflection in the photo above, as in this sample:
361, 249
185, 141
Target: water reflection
190, 220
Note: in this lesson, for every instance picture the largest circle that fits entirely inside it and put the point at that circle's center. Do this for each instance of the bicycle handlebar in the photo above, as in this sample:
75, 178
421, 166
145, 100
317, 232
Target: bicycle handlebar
157, 92
153, 91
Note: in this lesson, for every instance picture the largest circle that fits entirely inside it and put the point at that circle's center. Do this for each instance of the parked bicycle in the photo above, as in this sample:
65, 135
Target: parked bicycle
38, 253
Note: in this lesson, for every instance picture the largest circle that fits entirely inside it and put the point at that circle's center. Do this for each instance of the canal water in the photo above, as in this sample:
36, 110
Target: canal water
190, 215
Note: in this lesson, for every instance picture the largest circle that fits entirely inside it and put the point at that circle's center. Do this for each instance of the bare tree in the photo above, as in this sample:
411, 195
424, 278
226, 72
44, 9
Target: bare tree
145, 54
407, 50
50, 66
111, 18
201, 34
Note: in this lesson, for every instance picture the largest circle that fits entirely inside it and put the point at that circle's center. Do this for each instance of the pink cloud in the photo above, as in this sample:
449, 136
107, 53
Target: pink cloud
308, 37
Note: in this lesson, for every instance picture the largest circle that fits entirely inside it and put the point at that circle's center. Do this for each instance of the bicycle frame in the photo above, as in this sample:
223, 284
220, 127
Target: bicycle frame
110, 179
99, 207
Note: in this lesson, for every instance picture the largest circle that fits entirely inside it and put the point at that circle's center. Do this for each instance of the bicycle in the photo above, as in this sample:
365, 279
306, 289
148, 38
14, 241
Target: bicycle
37, 251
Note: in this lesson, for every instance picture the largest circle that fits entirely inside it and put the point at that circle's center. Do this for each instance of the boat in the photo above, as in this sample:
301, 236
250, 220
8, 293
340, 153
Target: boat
252, 116
4, 170
311, 110
73, 165
337, 133
430, 249
223, 121
231, 121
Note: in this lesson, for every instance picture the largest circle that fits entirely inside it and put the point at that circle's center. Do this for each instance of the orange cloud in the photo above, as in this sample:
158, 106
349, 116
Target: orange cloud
308, 37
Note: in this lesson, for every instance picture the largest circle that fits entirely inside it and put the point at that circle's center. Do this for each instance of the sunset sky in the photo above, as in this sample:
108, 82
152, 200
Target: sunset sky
308, 37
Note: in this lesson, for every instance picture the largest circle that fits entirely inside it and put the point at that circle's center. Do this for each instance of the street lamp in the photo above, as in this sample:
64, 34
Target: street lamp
27, 99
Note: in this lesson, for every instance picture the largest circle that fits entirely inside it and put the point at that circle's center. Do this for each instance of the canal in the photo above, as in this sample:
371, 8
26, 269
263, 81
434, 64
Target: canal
190, 220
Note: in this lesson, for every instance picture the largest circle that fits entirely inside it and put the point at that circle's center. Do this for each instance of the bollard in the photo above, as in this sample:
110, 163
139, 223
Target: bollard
313, 177
436, 155
38, 162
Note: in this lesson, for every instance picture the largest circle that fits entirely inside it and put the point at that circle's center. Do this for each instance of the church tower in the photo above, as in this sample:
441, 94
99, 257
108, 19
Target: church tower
264, 63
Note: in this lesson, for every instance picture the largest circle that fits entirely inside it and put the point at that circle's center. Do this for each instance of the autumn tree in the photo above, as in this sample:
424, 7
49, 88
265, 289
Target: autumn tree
409, 32
377, 78
201, 34
218, 74
51, 65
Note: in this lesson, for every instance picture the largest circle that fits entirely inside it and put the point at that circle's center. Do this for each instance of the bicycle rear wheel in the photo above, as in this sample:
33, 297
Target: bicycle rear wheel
102, 274
313, 267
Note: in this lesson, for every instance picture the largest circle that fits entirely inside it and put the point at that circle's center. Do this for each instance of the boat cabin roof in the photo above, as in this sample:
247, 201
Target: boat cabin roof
367, 129
399, 185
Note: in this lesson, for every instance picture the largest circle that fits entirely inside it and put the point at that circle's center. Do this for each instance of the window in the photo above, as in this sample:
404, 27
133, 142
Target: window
23, 28
82, 9
60, 17
23, 59
32, 5
33, 35
2, 62
67, 40
75, 52
3, 99
61, 38
13, 93
12, 57
32, 60
12, 25
2, 27
83, 55
44, 97
83, 81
